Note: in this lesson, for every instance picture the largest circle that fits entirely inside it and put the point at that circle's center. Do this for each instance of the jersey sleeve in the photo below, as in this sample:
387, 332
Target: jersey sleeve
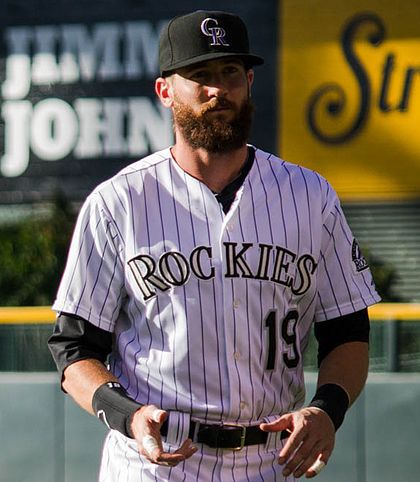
344, 280
92, 285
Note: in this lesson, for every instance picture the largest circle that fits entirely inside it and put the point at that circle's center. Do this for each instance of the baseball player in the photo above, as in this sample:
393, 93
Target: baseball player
196, 275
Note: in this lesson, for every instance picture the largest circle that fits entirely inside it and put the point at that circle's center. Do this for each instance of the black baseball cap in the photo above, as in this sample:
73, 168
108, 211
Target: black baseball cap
204, 35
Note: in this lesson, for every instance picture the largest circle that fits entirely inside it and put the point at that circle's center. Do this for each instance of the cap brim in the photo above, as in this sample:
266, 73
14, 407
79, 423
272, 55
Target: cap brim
249, 59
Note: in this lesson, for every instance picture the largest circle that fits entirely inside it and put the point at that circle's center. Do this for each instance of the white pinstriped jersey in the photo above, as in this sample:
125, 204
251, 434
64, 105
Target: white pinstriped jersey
199, 300
211, 312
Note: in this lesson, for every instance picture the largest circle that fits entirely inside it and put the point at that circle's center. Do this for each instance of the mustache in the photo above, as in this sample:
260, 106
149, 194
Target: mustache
216, 103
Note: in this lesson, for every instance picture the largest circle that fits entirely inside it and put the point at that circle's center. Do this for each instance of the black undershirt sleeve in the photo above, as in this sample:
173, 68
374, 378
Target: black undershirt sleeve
76, 339
335, 332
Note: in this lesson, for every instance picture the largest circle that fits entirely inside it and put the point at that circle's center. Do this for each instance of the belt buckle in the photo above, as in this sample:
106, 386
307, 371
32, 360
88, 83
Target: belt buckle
243, 434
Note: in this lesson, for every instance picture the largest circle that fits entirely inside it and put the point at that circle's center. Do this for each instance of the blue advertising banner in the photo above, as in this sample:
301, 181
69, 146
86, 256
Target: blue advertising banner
77, 98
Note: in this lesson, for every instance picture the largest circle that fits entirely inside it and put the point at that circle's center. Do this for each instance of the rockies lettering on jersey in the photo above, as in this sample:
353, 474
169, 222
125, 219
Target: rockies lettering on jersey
174, 268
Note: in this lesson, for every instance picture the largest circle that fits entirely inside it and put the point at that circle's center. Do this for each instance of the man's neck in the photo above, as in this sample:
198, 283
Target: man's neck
215, 170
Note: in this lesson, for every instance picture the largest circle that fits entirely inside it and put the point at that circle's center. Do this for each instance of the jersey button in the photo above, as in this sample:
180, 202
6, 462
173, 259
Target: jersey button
237, 355
236, 304
242, 405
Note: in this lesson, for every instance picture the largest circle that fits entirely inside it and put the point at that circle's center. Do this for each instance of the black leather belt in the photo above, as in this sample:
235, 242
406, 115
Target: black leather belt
226, 436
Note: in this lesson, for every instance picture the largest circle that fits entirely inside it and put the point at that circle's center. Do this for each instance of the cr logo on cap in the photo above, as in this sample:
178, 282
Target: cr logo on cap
217, 33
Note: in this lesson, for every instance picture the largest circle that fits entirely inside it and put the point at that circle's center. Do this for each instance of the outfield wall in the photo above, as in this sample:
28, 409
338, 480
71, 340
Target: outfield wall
45, 437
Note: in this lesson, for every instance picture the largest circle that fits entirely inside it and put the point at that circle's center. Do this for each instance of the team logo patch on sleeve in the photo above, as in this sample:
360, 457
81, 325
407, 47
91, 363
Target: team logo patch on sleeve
358, 259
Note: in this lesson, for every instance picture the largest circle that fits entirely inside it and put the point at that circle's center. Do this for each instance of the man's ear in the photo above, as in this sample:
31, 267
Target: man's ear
250, 78
163, 89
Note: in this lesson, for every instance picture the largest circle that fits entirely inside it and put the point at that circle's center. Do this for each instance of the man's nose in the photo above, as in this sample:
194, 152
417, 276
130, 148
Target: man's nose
217, 86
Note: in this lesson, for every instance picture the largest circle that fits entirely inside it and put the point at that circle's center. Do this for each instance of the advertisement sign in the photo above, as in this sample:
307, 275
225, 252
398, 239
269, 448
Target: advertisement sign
349, 83
77, 99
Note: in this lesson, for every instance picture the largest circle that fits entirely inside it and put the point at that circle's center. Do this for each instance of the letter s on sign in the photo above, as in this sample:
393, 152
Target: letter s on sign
332, 97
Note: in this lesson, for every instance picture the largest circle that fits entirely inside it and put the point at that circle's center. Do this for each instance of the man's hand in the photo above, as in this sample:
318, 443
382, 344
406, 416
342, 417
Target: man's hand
311, 441
146, 429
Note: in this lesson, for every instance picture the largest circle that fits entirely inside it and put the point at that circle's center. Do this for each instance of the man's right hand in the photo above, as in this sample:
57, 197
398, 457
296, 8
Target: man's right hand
146, 425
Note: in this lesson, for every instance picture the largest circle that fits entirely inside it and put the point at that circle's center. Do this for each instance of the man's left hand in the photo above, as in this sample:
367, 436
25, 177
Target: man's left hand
311, 441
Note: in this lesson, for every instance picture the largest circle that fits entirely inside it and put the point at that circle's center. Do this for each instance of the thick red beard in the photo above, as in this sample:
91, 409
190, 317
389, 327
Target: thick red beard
211, 132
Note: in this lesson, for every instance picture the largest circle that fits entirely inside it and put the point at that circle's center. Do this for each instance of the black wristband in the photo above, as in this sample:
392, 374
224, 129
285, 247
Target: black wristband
114, 408
334, 400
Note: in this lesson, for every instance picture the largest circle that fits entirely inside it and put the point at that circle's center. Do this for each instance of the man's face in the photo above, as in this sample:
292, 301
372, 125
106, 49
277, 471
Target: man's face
211, 104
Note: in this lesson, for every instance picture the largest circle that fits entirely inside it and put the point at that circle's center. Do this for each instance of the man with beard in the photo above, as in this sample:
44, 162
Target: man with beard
198, 273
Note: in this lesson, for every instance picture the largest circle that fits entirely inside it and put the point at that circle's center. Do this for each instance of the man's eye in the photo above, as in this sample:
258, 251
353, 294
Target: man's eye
231, 70
200, 74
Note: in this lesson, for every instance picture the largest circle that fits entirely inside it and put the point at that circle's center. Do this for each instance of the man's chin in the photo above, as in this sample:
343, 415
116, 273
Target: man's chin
226, 115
